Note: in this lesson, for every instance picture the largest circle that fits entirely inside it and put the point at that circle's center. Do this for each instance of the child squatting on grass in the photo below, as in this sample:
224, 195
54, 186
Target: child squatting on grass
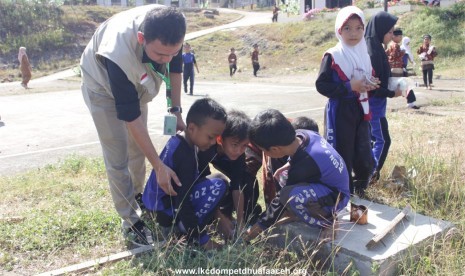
228, 157
317, 186
274, 170
197, 200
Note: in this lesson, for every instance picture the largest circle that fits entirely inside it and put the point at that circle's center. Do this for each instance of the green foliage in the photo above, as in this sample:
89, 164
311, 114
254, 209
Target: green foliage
48, 230
33, 24
368, 4
444, 25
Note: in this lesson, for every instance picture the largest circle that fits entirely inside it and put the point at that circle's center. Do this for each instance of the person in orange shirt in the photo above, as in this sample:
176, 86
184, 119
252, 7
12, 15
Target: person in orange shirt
255, 63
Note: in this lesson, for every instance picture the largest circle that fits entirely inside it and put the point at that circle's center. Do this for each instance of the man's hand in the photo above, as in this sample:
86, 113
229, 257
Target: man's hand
164, 176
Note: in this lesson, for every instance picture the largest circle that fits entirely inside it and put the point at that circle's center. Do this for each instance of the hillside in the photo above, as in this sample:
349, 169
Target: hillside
286, 49
56, 36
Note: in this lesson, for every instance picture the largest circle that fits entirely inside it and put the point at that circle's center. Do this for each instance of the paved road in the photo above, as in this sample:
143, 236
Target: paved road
44, 128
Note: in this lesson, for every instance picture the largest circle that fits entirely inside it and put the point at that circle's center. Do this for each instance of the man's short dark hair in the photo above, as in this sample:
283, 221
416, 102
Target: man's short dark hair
304, 122
270, 128
203, 109
237, 125
166, 24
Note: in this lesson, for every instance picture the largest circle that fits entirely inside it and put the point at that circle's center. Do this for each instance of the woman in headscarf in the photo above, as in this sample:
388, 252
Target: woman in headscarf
379, 31
24, 66
408, 56
343, 78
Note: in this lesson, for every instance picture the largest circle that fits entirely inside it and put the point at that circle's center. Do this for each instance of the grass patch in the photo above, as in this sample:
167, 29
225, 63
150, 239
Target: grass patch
285, 49
69, 217
432, 146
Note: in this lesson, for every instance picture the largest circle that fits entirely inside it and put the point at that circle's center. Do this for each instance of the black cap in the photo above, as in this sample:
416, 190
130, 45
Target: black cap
427, 36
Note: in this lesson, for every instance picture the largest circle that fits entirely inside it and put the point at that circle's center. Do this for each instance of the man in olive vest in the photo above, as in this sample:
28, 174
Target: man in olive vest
123, 66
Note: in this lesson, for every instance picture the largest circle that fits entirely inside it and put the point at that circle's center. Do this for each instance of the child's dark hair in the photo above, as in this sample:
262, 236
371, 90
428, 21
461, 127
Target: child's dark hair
237, 125
303, 122
203, 109
270, 128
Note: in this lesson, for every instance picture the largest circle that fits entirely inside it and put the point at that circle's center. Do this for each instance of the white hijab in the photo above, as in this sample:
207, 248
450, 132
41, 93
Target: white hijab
406, 47
350, 58
21, 53
354, 61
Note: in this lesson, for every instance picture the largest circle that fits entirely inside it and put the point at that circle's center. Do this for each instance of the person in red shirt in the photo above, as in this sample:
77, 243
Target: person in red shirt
427, 53
232, 59
396, 60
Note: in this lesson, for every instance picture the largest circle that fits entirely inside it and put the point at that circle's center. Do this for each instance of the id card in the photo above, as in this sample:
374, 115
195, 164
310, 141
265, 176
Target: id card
169, 127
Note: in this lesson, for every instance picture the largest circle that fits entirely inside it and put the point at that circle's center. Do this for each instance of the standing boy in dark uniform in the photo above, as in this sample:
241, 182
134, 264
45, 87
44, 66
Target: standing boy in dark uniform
189, 61
317, 186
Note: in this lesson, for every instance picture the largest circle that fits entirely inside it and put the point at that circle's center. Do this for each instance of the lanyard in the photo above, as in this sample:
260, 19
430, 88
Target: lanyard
166, 79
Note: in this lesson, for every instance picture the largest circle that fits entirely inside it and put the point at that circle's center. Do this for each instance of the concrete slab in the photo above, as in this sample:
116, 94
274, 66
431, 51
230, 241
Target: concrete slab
349, 247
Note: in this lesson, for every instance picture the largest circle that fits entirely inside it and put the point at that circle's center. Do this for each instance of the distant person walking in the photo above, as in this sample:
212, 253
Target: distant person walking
427, 53
408, 56
25, 67
255, 63
232, 59
275, 14
188, 73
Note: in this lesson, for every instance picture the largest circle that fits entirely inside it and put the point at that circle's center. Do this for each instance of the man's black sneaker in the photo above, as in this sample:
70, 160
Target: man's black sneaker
138, 234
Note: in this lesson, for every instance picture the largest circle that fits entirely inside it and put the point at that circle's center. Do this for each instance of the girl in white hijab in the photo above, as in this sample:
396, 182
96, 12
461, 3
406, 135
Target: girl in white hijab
408, 52
345, 77
24, 66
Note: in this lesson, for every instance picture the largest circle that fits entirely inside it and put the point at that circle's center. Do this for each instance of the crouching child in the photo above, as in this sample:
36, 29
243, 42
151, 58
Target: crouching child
196, 202
317, 184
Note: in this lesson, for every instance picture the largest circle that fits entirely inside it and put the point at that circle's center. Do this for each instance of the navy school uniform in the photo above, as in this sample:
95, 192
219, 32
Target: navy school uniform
317, 173
347, 128
193, 208
240, 179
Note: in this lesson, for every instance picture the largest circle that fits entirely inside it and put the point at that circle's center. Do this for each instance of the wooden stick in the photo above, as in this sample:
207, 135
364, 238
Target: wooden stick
100, 261
377, 238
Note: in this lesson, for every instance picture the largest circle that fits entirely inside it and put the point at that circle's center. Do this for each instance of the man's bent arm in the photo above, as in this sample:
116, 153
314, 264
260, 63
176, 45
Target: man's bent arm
164, 174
